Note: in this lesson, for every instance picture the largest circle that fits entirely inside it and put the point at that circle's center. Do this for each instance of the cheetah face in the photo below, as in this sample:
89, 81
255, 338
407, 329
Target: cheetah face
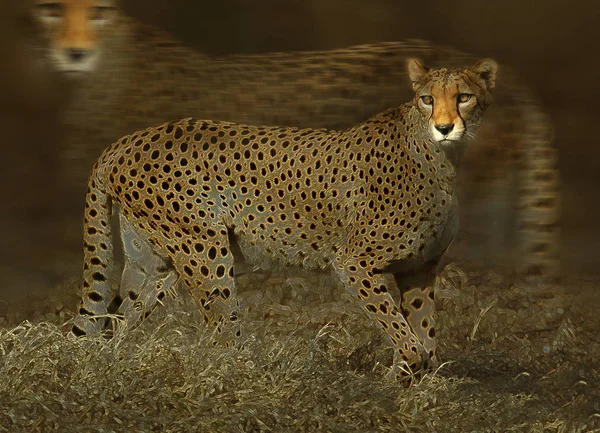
453, 100
72, 31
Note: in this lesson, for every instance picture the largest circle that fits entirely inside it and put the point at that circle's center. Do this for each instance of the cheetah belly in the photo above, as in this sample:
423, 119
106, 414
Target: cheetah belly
261, 255
437, 245
257, 256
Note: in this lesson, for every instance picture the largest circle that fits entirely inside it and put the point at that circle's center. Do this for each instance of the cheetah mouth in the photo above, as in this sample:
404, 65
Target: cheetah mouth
448, 141
452, 139
75, 74
76, 71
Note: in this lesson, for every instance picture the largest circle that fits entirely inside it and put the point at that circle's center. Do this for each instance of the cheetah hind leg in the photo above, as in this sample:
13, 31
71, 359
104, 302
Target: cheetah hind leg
206, 269
147, 277
418, 307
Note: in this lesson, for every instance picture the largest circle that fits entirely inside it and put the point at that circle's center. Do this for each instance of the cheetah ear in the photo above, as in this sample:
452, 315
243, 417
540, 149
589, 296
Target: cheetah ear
416, 71
487, 69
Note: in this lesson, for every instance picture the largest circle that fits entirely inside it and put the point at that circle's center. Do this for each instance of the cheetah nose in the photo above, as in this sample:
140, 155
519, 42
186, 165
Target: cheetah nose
76, 54
445, 129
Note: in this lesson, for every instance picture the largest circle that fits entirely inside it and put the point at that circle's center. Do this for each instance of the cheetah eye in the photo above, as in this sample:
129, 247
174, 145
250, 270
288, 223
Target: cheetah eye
427, 99
100, 13
51, 10
464, 97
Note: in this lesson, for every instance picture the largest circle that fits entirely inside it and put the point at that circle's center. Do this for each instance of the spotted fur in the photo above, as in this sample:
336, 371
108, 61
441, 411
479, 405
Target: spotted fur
367, 203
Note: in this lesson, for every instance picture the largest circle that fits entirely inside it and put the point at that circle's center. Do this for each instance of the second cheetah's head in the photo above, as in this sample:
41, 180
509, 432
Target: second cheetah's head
453, 100
72, 32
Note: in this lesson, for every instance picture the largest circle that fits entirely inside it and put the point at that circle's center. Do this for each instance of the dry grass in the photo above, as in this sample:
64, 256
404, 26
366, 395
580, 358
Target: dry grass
522, 358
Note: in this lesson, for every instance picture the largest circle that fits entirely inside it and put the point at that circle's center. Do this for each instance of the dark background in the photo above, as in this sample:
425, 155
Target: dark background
554, 44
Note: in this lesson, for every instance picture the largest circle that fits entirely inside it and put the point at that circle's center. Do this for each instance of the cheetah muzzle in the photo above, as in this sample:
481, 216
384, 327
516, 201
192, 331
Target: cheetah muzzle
374, 204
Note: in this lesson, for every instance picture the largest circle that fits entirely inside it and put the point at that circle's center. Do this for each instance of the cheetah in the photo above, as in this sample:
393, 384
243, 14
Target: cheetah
125, 75
373, 204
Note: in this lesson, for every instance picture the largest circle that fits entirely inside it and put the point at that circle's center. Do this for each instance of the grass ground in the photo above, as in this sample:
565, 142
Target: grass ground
519, 358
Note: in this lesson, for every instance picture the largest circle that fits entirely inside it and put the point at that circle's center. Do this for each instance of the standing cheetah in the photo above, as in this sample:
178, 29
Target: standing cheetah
368, 202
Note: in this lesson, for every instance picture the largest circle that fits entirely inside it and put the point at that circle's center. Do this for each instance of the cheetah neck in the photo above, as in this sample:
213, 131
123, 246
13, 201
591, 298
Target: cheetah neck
454, 152
444, 157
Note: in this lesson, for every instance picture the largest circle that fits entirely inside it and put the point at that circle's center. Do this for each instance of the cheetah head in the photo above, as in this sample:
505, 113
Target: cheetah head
72, 31
453, 100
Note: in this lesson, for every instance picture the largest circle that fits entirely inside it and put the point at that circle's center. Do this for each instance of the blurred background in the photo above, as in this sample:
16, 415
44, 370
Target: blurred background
553, 46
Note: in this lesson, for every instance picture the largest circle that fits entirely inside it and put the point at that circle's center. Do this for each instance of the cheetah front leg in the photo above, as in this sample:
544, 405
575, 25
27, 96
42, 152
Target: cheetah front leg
418, 306
372, 291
